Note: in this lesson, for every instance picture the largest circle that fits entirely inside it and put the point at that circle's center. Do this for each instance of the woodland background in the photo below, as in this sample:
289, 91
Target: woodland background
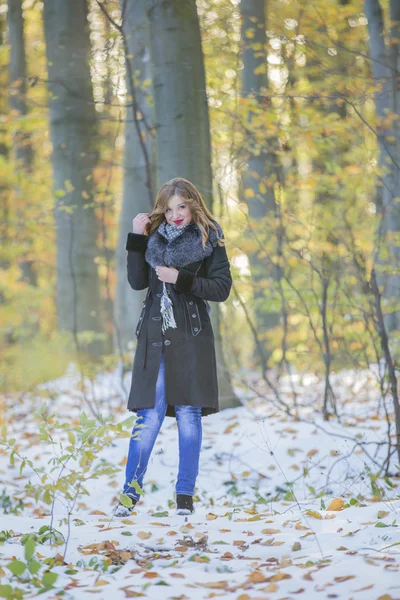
285, 114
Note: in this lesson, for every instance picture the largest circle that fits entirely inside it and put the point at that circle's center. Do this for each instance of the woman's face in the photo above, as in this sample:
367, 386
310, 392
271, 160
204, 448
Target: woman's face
178, 212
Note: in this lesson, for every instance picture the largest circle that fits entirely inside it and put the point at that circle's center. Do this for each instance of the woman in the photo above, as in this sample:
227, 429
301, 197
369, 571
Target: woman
179, 254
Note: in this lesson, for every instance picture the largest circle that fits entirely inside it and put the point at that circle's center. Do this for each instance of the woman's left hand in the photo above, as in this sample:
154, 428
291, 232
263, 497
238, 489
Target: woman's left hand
167, 274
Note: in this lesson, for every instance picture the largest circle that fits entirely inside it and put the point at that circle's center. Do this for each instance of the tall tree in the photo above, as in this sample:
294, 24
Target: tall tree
5, 233
261, 172
139, 163
17, 80
23, 154
73, 135
182, 120
385, 70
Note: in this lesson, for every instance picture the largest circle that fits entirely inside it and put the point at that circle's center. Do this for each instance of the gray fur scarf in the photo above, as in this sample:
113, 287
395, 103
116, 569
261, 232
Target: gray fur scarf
182, 250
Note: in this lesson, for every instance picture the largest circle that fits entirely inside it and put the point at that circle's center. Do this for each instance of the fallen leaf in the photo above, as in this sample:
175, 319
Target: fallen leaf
313, 513
311, 453
144, 535
296, 546
256, 577
279, 576
125, 555
211, 516
367, 587
350, 533
215, 585
270, 531
230, 427
382, 514
344, 578
336, 504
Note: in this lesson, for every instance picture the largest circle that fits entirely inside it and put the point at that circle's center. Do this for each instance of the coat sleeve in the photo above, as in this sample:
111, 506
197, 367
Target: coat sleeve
216, 286
138, 268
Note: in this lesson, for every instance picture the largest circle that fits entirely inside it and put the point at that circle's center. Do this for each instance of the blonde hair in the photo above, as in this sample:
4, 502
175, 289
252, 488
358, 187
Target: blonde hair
200, 213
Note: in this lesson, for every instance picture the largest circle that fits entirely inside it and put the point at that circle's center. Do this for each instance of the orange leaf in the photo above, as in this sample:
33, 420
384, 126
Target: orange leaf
256, 577
336, 504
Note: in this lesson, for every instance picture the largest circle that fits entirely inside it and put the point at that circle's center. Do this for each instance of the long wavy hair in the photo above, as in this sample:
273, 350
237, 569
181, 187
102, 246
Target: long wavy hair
200, 213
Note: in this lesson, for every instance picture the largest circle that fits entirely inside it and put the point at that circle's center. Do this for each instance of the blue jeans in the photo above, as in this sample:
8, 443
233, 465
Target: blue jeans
189, 436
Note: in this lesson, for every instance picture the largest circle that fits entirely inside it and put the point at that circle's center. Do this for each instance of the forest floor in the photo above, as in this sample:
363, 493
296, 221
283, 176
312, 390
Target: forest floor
285, 508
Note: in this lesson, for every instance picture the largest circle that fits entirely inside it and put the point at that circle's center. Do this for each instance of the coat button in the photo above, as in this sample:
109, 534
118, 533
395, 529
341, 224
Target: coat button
167, 342
191, 303
196, 328
193, 316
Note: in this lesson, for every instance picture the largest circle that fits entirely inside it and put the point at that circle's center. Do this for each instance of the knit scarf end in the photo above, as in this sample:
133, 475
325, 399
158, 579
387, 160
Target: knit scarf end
168, 319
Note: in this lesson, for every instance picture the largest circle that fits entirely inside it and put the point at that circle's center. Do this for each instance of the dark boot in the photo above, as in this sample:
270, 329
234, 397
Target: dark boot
184, 504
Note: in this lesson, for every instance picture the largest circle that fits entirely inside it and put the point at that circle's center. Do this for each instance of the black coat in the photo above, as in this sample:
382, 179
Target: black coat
189, 350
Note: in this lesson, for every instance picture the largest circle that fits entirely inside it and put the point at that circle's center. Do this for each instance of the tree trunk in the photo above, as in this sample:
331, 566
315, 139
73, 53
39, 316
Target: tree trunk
17, 81
23, 154
262, 165
182, 121
73, 131
5, 228
139, 169
385, 69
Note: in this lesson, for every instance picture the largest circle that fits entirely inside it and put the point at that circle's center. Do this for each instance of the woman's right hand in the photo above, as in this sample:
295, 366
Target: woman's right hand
139, 222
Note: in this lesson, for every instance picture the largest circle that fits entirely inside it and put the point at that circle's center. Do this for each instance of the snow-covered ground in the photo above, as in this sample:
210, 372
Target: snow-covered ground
266, 521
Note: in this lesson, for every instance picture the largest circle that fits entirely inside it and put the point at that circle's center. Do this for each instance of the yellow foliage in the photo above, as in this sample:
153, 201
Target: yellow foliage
249, 193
